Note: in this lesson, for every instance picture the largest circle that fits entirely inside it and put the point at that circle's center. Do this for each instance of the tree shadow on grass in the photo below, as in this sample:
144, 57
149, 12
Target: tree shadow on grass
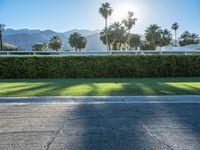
96, 87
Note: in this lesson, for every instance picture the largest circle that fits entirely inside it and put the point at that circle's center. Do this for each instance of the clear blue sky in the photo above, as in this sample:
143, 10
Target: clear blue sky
63, 15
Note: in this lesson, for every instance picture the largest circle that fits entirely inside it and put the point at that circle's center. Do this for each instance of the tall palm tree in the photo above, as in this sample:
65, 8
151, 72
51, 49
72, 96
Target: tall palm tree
105, 10
73, 40
153, 35
129, 22
175, 27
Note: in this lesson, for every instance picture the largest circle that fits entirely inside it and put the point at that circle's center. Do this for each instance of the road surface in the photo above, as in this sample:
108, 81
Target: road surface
106, 126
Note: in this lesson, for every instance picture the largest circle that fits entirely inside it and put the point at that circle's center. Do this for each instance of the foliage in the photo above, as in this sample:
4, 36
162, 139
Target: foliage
175, 26
39, 47
110, 37
105, 10
145, 46
55, 43
10, 47
135, 41
77, 41
188, 39
155, 36
119, 35
166, 38
100, 66
129, 22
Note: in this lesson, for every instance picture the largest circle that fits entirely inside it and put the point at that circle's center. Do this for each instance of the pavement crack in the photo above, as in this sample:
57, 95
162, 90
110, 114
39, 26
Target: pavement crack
55, 135
155, 137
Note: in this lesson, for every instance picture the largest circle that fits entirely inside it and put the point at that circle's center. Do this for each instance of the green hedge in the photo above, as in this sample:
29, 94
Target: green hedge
100, 66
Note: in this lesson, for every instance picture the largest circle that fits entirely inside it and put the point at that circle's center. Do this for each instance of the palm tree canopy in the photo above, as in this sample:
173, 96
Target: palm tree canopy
188, 38
103, 35
153, 32
77, 41
55, 43
166, 37
175, 26
119, 32
130, 21
105, 10
153, 35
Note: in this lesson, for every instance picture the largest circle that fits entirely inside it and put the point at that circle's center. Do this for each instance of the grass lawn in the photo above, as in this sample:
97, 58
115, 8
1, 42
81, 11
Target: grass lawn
100, 87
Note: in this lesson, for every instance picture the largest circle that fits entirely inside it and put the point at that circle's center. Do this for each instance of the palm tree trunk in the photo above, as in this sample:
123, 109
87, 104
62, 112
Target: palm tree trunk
106, 25
1, 41
129, 39
175, 38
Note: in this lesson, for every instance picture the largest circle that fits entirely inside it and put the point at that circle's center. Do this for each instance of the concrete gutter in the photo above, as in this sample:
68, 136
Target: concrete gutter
100, 99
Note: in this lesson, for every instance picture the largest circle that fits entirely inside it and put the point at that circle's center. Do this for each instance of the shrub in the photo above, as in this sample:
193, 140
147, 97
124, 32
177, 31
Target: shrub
100, 66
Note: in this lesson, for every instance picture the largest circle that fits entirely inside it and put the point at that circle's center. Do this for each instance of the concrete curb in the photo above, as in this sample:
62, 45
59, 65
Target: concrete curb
99, 99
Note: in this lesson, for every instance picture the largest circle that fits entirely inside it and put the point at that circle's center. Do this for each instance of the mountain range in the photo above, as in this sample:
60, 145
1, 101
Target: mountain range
25, 38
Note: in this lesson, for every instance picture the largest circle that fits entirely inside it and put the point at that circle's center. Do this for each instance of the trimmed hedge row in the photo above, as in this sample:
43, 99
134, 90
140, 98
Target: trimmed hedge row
99, 66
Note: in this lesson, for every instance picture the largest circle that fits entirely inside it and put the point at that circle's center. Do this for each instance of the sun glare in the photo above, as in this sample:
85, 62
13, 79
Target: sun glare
121, 11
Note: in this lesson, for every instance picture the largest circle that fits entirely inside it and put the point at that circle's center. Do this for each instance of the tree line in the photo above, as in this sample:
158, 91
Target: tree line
76, 41
118, 36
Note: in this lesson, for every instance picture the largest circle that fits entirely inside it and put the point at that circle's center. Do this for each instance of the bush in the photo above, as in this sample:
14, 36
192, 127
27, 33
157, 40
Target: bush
100, 66
10, 47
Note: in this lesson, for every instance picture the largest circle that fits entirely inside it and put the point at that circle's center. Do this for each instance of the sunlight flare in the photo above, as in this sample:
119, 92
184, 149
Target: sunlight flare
121, 11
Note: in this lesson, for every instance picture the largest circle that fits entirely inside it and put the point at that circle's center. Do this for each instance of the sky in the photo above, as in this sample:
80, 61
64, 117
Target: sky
64, 15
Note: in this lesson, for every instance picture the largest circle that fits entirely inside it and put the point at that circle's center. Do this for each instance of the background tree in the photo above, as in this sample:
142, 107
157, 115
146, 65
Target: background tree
105, 10
144, 45
135, 41
166, 38
110, 38
119, 35
175, 27
77, 41
82, 42
39, 47
55, 43
129, 22
10, 47
153, 36
187, 39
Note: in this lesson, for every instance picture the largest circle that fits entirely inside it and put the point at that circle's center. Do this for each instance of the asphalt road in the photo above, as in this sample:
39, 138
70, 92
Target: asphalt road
100, 127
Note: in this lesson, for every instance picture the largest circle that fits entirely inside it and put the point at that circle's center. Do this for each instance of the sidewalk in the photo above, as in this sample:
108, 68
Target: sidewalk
101, 99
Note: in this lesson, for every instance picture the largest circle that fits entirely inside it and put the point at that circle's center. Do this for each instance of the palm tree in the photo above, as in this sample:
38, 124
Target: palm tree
153, 36
77, 41
135, 41
175, 27
166, 37
55, 43
105, 10
110, 37
119, 35
129, 22
188, 38
39, 47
